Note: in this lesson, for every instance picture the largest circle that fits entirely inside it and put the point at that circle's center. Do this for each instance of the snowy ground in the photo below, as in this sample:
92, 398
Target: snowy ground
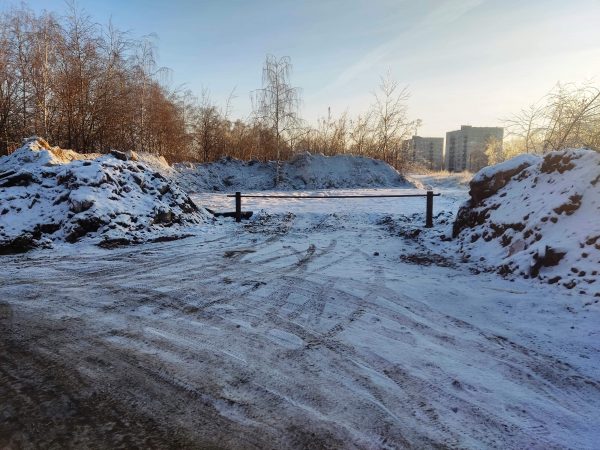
319, 323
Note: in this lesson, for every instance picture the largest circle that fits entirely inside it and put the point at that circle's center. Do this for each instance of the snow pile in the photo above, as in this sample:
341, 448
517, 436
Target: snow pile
537, 217
49, 194
158, 163
44, 154
226, 174
304, 171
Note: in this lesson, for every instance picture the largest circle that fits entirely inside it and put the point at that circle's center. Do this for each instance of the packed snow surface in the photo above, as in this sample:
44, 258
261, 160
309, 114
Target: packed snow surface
319, 323
304, 171
537, 217
49, 194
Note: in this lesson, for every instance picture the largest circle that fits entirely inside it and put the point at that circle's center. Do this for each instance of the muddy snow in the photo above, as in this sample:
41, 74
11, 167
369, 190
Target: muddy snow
317, 324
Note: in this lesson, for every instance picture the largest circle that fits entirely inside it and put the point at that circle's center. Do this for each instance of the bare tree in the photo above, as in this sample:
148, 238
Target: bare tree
361, 134
276, 105
9, 84
527, 126
573, 113
390, 120
569, 116
207, 127
494, 151
330, 136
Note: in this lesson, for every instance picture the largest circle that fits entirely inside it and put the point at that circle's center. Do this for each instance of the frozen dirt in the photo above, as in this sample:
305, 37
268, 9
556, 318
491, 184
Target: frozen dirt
317, 324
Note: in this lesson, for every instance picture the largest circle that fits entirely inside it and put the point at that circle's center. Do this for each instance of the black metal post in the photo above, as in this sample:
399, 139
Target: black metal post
238, 206
429, 213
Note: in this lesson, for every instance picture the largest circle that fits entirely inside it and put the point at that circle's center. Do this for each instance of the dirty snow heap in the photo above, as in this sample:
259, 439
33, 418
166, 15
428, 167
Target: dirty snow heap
537, 217
50, 195
304, 171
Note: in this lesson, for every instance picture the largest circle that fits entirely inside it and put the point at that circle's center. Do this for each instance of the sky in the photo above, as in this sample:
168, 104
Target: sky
464, 61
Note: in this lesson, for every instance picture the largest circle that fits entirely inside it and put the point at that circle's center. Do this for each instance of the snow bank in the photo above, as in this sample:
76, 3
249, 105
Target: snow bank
49, 194
226, 174
537, 217
304, 171
514, 164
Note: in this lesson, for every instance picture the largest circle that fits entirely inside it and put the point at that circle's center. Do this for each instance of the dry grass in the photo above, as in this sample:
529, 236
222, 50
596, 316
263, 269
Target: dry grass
440, 177
463, 177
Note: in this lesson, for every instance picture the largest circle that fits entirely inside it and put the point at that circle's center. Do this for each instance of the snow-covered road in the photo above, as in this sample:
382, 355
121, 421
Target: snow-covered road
319, 323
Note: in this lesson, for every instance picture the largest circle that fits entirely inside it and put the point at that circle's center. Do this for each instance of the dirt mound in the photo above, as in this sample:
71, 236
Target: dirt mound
537, 217
51, 195
304, 171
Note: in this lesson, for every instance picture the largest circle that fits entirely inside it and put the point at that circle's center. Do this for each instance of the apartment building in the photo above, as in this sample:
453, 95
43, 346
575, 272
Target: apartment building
427, 152
465, 148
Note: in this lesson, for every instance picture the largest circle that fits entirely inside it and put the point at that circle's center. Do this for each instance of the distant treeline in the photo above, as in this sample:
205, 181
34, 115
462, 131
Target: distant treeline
93, 88
82, 86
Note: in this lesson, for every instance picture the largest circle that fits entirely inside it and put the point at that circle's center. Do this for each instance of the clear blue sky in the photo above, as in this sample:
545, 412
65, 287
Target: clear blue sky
465, 61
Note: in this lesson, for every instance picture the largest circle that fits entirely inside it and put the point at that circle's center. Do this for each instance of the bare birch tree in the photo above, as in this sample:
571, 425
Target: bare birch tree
276, 105
361, 134
391, 124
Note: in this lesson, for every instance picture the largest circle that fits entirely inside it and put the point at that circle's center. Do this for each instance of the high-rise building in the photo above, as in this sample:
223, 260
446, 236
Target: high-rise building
427, 152
465, 148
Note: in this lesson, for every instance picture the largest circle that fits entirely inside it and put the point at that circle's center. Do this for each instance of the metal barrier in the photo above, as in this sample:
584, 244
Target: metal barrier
428, 211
